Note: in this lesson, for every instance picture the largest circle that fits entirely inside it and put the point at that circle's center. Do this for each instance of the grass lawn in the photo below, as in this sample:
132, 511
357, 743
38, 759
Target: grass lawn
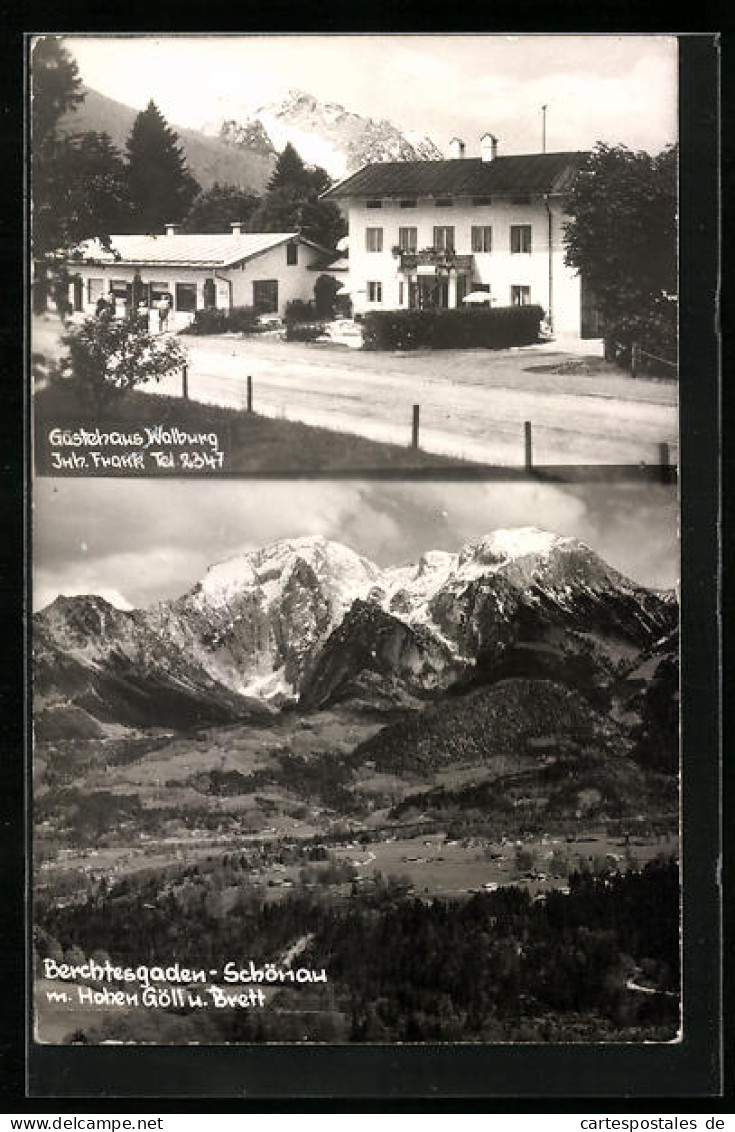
251, 443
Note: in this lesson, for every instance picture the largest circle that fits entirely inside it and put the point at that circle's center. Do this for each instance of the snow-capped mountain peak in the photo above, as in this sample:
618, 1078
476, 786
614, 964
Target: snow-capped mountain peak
306, 616
324, 133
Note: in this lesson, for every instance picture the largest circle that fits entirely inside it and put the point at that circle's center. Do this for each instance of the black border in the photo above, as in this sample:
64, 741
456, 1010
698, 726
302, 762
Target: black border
605, 1073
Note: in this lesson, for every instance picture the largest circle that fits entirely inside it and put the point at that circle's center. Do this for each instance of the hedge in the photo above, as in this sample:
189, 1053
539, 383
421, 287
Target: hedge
495, 328
653, 327
214, 321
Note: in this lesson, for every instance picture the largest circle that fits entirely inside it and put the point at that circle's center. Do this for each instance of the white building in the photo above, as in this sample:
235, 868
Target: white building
265, 270
428, 233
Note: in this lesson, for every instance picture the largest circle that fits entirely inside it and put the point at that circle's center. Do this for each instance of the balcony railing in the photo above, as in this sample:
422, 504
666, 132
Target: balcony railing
442, 261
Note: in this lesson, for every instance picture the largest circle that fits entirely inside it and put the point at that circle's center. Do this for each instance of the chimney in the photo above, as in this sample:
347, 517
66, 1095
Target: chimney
456, 148
172, 229
488, 147
236, 226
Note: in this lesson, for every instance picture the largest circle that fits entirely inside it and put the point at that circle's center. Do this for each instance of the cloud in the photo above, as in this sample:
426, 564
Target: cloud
146, 540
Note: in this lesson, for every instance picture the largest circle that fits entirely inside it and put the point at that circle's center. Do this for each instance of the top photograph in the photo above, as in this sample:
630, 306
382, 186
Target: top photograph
259, 255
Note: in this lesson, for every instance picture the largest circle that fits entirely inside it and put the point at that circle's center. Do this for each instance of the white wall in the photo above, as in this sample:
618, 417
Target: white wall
294, 282
500, 268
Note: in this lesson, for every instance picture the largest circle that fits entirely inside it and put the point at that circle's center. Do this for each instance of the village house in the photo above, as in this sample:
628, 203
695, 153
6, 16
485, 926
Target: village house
264, 270
430, 233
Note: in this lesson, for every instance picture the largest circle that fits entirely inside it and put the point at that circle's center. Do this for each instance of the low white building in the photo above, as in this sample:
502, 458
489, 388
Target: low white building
429, 233
265, 270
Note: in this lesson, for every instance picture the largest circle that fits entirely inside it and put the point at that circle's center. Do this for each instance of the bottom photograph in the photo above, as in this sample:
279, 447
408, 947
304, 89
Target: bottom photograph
355, 762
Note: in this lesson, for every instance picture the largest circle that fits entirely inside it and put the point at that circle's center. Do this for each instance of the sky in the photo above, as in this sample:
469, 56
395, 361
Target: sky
136, 542
614, 88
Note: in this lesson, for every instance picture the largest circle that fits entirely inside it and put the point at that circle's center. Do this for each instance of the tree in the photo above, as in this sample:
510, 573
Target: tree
622, 238
108, 357
215, 209
160, 185
78, 184
56, 88
292, 202
290, 172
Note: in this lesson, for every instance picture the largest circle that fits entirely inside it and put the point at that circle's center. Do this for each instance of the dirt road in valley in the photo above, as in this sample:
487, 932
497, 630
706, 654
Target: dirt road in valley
473, 402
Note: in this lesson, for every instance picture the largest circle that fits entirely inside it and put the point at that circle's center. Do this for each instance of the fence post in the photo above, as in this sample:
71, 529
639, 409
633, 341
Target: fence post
415, 427
185, 382
528, 445
250, 394
634, 360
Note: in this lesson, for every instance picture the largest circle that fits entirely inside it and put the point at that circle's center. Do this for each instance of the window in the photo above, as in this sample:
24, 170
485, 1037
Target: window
401, 294
444, 239
374, 239
408, 239
373, 204
521, 200
520, 296
186, 296
375, 292
482, 238
444, 202
520, 238
95, 287
292, 254
265, 296
482, 202
408, 203
158, 290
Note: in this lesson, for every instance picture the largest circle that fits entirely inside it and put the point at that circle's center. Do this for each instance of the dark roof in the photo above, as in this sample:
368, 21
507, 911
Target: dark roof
465, 176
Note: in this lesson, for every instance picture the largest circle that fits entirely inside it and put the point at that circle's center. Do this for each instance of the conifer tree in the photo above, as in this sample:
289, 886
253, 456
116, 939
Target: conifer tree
160, 185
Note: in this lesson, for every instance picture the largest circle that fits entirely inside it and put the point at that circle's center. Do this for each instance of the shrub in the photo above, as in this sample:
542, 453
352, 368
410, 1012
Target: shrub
108, 357
211, 321
242, 320
299, 311
654, 329
301, 333
495, 328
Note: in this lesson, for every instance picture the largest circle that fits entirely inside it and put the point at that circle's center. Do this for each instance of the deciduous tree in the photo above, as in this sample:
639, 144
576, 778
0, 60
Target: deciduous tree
215, 209
622, 239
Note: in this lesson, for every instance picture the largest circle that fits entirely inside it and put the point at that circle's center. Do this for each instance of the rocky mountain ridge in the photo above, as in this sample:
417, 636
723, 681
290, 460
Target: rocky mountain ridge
324, 133
309, 621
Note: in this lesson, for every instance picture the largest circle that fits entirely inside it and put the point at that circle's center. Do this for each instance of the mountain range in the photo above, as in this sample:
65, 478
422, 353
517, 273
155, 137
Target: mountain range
324, 133
244, 152
307, 623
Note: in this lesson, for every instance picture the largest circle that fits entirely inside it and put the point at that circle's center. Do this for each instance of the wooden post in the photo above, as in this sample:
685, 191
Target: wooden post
185, 382
415, 427
250, 394
634, 360
528, 445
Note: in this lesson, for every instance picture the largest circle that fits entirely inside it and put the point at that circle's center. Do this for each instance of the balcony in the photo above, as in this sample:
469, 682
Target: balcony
432, 261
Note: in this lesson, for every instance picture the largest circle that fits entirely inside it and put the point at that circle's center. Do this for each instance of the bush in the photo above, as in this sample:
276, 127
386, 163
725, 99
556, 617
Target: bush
654, 329
211, 321
299, 311
108, 357
494, 328
301, 333
242, 320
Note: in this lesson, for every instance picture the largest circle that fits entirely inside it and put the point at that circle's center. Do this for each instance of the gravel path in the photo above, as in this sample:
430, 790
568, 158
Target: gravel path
473, 403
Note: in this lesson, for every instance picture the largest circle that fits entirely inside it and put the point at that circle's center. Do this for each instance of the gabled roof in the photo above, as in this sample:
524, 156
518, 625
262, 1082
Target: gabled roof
463, 176
193, 250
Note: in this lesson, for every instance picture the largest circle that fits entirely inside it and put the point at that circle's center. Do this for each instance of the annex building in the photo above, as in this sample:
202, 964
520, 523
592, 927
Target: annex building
431, 233
265, 270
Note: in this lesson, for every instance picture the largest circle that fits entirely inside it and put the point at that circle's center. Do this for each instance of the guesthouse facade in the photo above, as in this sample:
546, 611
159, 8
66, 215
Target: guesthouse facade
264, 270
431, 233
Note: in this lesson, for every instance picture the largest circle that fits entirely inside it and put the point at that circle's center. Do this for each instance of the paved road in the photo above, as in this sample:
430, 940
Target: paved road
473, 403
